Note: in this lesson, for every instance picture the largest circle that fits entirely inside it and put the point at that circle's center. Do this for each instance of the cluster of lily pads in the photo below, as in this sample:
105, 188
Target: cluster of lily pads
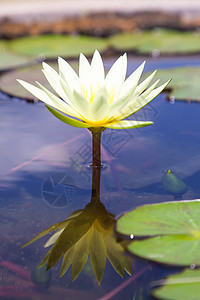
160, 41
167, 233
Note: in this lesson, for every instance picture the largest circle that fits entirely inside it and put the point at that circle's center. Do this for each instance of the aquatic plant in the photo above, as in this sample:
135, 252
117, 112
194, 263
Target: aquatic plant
96, 102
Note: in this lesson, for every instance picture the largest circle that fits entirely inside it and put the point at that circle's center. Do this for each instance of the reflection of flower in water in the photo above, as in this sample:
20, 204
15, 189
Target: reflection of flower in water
87, 232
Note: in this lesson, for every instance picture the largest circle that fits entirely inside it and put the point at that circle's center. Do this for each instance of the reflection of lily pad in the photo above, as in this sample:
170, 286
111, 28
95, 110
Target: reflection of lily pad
9, 85
184, 84
9, 59
52, 46
173, 184
173, 228
158, 41
185, 285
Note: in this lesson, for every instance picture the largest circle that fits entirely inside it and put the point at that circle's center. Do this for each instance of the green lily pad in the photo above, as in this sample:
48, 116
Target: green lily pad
159, 41
10, 86
185, 285
184, 84
182, 250
52, 46
173, 229
8, 59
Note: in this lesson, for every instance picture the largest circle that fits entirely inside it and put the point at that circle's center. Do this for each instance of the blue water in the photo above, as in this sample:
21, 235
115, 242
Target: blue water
45, 176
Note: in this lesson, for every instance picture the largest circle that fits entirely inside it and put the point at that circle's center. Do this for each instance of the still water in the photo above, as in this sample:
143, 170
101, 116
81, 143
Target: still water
45, 176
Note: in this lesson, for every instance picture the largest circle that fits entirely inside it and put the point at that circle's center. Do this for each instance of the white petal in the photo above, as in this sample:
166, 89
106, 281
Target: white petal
68, 74
132, 81
157, 91
99, 106
68, 91
117, 106
127, 93
142, 86
137, 104
35, 91
97, 70
54, 80
116, 75
43, 96
85, 76
144, 99
81, 105
60, 103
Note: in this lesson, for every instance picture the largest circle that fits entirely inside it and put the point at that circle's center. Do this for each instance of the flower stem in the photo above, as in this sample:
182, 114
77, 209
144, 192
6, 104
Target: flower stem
96, 165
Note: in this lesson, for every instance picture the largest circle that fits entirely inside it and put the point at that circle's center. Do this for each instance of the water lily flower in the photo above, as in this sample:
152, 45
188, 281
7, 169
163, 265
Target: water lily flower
94, 100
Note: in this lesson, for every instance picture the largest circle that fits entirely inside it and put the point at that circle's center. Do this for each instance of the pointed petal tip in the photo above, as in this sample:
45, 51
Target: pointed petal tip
44, 64
82, 56
96, 55
37, 83
141, 66
163, 86
169, 80
20, 81
124, 57
60, 59
97, 52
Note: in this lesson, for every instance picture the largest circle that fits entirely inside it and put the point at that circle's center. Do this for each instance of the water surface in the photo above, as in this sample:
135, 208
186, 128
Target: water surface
36, 147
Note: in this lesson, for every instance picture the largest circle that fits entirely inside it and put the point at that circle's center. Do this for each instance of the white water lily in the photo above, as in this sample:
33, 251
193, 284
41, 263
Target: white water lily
93, 100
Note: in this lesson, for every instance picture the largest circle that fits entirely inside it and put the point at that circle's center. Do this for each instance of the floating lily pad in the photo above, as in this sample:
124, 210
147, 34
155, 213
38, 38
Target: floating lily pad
158, 41
173, 229
52, 46
8, 59
184, 84
10, 86
185, 285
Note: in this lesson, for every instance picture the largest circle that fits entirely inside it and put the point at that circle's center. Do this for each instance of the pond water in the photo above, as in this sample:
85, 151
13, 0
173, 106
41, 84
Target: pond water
38, 152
